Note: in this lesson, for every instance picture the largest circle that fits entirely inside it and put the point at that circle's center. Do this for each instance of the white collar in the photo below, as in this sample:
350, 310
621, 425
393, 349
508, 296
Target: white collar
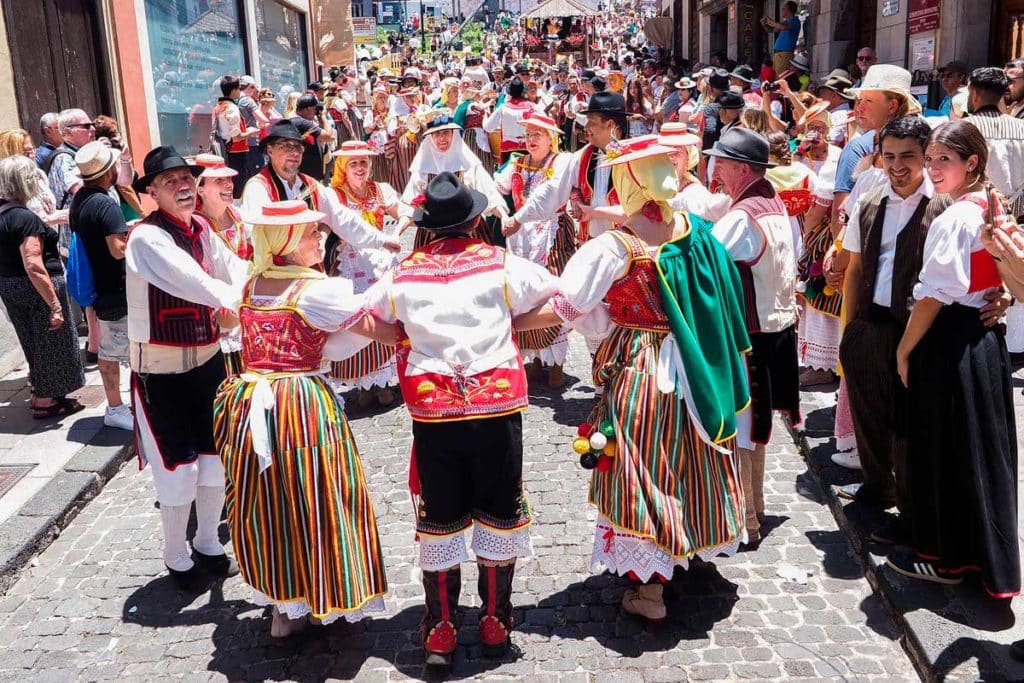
926, 190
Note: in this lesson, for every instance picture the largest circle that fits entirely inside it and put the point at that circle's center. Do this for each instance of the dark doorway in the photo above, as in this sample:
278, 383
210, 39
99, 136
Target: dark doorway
719, 35
856, 25
58, 56
1007, 31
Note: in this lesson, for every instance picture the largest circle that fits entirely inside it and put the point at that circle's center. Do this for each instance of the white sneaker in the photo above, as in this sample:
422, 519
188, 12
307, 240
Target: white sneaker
850, 460
120, 417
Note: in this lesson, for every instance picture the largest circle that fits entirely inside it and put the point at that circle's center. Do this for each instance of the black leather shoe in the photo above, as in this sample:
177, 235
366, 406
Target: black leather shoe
192, 580
216, 565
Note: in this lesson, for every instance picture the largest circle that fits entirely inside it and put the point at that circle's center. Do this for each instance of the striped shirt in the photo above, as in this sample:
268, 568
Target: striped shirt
1005, 137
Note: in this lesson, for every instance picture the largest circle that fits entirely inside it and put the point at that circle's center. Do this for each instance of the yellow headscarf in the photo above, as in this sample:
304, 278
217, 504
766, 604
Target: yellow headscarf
270, 241
648, 179
338, 178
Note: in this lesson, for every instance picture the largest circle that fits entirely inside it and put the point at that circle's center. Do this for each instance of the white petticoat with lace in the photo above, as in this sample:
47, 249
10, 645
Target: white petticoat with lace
300, 608
555, 354
445, 552
818, 336
621, 551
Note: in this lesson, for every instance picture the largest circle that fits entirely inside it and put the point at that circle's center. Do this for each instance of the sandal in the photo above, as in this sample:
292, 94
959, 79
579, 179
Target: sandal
62, 406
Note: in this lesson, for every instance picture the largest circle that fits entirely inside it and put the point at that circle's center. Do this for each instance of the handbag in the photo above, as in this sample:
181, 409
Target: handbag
80, 282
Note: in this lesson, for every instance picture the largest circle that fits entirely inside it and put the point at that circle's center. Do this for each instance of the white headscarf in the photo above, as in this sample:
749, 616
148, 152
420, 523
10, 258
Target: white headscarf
429, 161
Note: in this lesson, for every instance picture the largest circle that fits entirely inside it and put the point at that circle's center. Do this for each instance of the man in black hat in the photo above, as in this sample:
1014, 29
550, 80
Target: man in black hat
465, 388
282, 178
307, 120
742, 77
179, 281
606, 121
507, 117
758, 235
730, 108
717, 83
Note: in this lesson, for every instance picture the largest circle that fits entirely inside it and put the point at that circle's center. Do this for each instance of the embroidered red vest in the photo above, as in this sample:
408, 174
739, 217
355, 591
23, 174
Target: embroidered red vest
587, 190
173, 321
634, 300
277, 338
459, 393
371, 207
276, 189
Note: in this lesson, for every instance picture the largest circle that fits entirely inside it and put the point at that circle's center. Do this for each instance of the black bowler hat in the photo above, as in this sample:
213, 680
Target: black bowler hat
719, 79
281, 130
605, 102
447, 204
743, 73
522, 69
587, 74
162, 159
731, 100
742, 144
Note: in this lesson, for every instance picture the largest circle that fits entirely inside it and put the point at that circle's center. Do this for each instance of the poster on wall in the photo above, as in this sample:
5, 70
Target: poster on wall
191, 45
281, 41
922, 53
922, 15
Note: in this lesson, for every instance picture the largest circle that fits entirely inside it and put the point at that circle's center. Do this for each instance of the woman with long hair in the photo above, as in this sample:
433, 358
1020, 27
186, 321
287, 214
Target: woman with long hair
639, 109
549, 243
373, 369
962, 441
300, 517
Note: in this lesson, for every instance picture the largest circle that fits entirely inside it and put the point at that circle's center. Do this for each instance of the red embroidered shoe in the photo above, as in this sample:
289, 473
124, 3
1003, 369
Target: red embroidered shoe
494, 637
439, 644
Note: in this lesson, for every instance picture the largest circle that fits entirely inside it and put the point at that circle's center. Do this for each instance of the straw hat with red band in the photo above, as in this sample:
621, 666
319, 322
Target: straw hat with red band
816, 112
355, 148
290, 212
676, 134
534, 119
408, 92
626, 151
213, 166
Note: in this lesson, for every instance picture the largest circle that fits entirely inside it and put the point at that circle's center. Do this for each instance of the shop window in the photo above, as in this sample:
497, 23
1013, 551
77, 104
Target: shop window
281, 41
191, 45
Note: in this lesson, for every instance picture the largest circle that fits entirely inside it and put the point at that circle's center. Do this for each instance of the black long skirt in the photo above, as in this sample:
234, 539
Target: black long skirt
962, 451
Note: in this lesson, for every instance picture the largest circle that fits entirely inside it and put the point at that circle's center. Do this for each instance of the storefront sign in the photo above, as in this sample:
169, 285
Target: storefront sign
923, 15
364, 29
890, 8
747, 34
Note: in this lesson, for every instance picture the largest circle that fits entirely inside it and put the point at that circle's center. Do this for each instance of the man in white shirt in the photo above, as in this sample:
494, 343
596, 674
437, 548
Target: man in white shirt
884, 238
281, 180
181, 285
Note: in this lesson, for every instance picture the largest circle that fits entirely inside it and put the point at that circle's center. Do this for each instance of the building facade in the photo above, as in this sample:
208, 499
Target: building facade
152, 64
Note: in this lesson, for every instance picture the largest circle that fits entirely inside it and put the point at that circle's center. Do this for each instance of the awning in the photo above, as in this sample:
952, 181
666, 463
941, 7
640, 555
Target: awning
559, 8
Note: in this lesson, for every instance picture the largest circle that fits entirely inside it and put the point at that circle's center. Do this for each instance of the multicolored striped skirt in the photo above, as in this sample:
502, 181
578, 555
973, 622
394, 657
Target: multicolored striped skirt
405, 152
668, 495
816, 244
303, 529
482, 153
373, 366
537, 340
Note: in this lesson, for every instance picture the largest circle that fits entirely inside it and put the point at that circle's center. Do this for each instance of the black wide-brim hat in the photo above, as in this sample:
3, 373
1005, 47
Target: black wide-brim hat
447, 204
742, 144
605, 102
158, 160
281, 130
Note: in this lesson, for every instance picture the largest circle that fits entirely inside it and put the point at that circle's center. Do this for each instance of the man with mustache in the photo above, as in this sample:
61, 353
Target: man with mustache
182, 284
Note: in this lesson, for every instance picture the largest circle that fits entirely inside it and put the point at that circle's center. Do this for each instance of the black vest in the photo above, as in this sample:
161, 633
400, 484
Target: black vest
909, 249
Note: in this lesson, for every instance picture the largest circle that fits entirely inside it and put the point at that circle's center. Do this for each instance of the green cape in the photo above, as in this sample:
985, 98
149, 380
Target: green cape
703, 299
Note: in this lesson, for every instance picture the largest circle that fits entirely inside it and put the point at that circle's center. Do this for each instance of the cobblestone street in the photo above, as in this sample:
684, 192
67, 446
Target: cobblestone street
97, 603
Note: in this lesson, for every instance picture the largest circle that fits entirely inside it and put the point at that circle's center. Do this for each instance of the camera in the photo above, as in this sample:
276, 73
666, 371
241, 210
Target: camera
770, 86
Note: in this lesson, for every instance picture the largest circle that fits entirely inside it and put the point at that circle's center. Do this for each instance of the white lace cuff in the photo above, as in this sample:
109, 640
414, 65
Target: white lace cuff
492, 545
300, 608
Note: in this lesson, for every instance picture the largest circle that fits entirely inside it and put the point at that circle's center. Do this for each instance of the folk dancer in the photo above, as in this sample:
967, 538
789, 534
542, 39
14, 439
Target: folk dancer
372, 370
548, 242
180, 280
464, 385
300, 516
758, 235
667, 480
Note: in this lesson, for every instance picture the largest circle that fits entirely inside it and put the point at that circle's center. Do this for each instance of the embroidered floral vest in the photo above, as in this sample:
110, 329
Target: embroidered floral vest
430, 289
276, 337
634, 300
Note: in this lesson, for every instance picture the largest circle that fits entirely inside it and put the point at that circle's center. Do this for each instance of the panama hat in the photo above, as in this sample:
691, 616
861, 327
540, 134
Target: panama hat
800, 63
289, 212
95, 158
213, 166
626, 151
888, 78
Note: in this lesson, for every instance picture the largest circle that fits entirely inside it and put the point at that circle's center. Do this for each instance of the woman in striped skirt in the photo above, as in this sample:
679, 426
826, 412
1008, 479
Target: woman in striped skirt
667, 479
373, 369
300, 516
549, 243
404, 126
470, 115
375, 123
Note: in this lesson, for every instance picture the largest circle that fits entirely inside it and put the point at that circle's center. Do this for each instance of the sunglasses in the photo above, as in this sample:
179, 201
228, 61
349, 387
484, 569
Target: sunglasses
863, 59
82, 125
